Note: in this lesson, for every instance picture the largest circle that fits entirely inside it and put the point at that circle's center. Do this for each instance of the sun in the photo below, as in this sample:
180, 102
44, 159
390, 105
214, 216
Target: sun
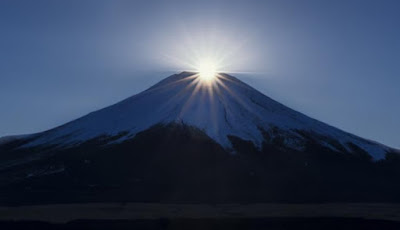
208, 70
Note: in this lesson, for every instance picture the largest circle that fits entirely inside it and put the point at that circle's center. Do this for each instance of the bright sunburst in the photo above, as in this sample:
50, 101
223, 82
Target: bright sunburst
208, 70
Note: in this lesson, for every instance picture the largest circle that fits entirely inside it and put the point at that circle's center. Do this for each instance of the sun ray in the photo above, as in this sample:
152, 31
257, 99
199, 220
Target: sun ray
181, 92
189, 100
167, 85
238, 99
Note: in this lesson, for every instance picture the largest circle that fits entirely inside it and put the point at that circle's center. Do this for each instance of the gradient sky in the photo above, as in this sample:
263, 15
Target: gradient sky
336, 61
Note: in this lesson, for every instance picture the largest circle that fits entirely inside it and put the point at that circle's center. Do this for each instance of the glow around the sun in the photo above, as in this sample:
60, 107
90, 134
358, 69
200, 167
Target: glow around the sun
204, 51
207, 69
205, 47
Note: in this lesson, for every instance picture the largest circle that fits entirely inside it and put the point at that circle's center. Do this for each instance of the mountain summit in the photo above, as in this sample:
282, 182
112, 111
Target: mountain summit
187, 140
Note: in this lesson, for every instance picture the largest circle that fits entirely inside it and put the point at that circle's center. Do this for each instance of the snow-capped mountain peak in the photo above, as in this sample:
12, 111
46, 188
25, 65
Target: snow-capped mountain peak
226, 107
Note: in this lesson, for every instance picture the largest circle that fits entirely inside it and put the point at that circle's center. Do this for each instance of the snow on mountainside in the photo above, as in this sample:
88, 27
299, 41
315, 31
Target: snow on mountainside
230, 107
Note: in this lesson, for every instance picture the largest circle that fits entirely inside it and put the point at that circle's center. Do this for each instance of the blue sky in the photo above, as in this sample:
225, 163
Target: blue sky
336, 61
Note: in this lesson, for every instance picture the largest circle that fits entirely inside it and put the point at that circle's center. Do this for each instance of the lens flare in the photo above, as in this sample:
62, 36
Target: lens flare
207, 70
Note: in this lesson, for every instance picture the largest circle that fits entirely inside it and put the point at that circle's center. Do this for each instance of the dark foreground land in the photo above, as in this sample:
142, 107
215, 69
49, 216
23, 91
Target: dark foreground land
201, 216
217, 224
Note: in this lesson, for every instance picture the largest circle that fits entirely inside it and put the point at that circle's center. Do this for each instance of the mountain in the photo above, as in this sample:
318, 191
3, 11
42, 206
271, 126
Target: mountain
188, 140
233, 109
